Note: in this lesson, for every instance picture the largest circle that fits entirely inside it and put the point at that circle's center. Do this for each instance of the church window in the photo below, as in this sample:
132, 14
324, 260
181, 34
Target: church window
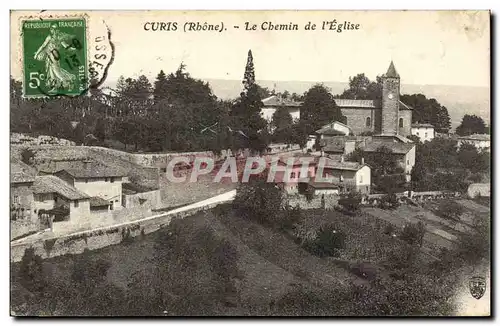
400, 122
368, 122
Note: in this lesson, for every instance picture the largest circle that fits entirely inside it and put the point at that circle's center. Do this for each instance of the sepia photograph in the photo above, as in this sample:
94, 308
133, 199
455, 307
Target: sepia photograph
250, 163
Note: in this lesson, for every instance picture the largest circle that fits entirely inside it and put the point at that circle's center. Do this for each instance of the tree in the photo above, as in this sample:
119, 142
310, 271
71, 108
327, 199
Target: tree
160, 87
428, 111
471, 124
361, 88
246, 113
27, 156
249, 76
259, 200
31, 272
281, 119
382, 161
319, 108
350, 202
470, 158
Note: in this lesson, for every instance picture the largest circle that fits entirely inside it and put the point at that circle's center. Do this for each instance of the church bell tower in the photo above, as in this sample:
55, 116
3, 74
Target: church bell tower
390, 101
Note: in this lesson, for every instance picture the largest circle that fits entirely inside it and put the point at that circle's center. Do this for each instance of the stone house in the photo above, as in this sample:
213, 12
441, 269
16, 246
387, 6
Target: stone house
347, 176
56, 201
274, 102
96, 180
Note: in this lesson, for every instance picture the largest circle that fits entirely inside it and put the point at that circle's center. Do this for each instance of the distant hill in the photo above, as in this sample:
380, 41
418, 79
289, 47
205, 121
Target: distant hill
459, 100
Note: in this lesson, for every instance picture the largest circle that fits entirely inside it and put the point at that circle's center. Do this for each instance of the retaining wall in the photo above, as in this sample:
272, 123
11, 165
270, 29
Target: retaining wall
102, 237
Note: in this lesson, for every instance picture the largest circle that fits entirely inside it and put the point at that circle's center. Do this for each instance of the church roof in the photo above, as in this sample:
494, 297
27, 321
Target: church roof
391, 72
348, 103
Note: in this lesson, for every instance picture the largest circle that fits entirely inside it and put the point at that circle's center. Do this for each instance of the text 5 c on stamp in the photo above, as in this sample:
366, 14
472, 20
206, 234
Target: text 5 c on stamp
54, 57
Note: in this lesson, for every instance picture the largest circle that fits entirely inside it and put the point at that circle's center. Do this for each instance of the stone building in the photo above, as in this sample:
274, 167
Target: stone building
389, 116
424, 131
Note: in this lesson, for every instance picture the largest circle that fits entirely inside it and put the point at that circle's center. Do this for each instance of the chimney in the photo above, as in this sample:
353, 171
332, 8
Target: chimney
362, 161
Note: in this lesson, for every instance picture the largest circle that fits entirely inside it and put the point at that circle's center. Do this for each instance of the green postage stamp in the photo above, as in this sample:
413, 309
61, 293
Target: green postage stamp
54, 57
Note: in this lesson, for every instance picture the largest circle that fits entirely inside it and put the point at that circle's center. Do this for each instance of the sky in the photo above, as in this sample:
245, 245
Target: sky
427, 47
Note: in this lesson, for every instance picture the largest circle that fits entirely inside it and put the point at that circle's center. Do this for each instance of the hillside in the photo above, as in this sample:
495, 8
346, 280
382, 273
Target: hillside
219, 263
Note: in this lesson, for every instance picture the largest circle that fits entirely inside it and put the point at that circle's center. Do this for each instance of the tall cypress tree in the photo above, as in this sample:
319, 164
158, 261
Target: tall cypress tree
249, 76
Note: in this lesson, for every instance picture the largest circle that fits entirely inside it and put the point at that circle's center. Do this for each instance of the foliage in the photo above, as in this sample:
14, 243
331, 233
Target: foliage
319, 108
259, 200
474, 246
27, 156
31, 271
361, 88
327, 242
428, 111
350, 202
413, 233
389, 201
471, 124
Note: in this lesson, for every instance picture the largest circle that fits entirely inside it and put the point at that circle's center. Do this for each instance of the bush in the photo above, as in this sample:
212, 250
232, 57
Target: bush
350, 202
27, 156
327, 242
259, 200
31, 271
389, 201
413, 233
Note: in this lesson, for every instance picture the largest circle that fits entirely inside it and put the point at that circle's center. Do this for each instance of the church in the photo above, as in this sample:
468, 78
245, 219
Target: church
389, 116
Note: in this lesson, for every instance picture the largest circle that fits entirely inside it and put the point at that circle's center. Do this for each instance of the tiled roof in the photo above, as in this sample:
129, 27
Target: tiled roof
93, 170
323, 185
20, 172
396, 147
422, 125
329, 131
476, 137
98, 201
21, 177
404, 106
337, 165
47, 184
348, 103
276, 101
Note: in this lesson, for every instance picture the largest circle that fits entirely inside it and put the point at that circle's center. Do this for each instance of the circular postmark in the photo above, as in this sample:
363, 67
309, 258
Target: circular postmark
64, 55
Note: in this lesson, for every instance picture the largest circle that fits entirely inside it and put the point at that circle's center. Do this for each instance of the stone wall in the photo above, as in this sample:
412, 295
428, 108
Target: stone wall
356, 119
145, 200
102, 237
50, 156
22, 227
329, 201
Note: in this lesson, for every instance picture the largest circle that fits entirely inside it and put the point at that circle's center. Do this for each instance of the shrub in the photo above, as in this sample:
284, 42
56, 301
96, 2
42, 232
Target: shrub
413, 233
31, 271
389, 201
27, 156
350, 202
259, 200
327, 242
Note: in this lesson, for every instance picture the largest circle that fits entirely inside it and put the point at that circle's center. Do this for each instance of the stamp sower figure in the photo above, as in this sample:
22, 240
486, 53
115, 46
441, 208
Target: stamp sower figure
50, 52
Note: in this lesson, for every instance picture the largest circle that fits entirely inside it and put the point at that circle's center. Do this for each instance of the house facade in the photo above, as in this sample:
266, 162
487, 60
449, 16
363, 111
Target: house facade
347, 176
424, 131
274, 102
56, 202
96, 181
